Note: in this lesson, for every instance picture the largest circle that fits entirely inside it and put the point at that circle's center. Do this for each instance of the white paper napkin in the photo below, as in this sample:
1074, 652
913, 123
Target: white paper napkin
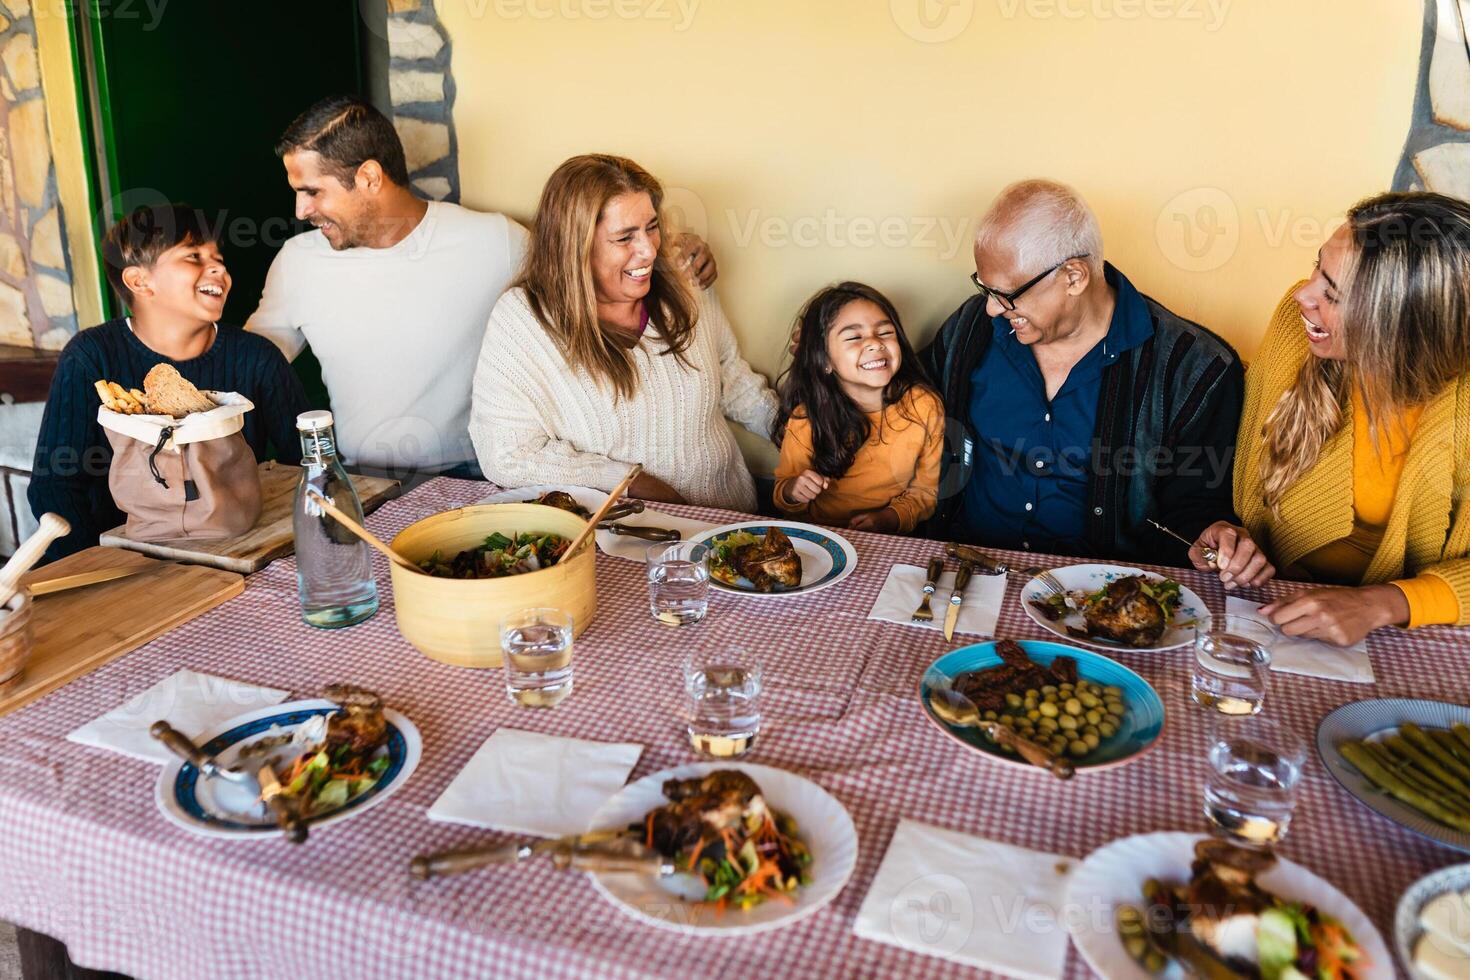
973, 901
1312, 658
528, 783
901, 594
191, 702
636, 549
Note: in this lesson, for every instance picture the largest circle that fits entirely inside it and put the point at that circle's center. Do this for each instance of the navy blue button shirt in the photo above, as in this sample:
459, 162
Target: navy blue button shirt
1028, 488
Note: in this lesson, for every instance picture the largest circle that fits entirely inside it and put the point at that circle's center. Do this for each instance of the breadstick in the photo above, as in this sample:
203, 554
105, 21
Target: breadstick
103, 392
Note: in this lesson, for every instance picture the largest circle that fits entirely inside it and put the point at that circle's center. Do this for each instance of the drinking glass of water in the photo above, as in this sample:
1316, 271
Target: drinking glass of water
1251, 789
1232, 664
537, 648
722, 711
678, 582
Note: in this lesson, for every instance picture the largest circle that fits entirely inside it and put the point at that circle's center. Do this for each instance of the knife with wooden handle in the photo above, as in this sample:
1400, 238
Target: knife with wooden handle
292, 826
980, 559
957, 598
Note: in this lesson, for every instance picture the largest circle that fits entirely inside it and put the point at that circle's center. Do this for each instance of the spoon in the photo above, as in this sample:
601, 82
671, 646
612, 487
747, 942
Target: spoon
960, 711
372, 539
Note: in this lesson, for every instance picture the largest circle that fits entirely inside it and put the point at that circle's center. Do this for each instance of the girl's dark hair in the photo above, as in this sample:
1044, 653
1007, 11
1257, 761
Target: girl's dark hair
838, 426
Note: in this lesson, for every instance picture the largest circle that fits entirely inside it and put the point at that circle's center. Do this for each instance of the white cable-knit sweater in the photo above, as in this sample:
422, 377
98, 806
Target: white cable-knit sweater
535, 420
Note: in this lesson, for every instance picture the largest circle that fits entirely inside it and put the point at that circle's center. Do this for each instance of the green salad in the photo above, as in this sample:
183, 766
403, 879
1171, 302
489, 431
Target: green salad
499, 556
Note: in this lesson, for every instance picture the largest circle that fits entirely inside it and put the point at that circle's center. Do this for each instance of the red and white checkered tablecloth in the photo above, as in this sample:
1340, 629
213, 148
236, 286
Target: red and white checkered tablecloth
86, 856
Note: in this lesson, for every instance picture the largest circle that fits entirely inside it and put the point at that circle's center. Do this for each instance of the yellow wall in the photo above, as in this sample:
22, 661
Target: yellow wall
844, 138
54, 49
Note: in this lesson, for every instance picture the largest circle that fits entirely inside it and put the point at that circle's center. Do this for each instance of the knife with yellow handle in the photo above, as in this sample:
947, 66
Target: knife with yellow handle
957, 598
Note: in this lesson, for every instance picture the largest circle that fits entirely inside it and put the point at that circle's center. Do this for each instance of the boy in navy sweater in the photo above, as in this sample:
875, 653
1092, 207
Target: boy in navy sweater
166, 265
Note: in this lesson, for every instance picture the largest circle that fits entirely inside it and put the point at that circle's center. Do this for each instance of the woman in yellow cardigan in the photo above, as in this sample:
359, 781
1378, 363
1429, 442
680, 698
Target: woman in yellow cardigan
1353, 461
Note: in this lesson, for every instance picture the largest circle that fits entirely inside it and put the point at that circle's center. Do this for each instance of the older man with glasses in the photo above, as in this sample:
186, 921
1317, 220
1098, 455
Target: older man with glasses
1080, 410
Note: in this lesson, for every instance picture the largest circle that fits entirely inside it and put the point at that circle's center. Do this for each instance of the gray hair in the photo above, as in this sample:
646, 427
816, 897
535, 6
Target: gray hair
1045, 223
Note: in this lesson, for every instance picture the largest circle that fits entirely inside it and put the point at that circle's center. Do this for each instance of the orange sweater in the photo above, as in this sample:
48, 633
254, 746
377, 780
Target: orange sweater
897, 467
1376, 473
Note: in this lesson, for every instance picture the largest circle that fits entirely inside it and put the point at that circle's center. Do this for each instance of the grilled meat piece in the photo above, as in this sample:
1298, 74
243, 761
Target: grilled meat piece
562, 500
1125, 613
359, 724
772, 562
698, 809
1224, 901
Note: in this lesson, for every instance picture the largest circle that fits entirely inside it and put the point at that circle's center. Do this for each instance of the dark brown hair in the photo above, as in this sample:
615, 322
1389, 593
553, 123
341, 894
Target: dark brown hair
145, 234
347, 132
557, 273
839, 427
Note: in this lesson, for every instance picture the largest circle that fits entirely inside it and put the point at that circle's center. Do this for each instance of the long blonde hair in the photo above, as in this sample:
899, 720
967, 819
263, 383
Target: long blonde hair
557, 272
1406, 328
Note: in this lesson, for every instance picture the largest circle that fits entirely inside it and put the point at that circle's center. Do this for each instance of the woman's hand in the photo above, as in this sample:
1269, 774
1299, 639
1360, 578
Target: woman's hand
884, 520
802, 490
697, 260
1239, 561
649, 487
1341, 617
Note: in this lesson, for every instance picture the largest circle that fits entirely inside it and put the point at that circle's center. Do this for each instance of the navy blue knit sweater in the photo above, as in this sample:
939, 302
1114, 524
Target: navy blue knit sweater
73, 455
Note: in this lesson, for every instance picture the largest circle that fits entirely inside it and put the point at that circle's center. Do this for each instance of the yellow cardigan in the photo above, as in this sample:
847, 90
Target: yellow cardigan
1428, 529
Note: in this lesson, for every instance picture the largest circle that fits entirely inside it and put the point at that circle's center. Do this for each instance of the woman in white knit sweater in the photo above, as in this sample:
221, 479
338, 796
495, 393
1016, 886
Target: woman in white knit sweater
601, 355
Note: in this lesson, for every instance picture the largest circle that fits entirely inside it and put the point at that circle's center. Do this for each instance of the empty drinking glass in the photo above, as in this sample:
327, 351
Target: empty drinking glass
537, 644
723, 713
678, 582
1251, 789
1232, 663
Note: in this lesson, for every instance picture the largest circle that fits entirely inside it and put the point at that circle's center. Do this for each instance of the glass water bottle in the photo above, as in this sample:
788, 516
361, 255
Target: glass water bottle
334, 572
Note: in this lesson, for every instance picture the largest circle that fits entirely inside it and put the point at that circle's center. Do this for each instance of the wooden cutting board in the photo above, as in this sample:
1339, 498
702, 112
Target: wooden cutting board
271, 538
79, 630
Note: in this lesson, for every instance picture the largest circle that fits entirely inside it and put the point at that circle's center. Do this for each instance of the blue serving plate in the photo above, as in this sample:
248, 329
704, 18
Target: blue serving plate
1142, 724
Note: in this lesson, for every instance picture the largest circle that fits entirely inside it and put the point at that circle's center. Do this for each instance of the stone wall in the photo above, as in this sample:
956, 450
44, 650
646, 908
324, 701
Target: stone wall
1437, 152
36, 308
422, 91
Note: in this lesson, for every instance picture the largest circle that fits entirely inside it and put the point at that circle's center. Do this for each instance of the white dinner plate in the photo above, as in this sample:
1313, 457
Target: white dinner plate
822, 824
219, 808
1114, 874
586, 496
826, 556
1090, 578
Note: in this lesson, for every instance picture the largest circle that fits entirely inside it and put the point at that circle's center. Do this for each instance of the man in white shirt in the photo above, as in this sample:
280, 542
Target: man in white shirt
391, 291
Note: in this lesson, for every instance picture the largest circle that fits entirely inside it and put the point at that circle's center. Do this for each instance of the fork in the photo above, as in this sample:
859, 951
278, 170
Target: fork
1050, 582
924, 614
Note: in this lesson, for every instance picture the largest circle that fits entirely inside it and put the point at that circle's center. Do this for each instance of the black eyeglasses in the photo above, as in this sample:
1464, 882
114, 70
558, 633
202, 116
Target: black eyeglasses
1007, 301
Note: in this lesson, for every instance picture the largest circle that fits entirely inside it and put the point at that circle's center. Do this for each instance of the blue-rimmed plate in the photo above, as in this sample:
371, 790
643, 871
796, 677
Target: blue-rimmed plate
218, 808
826, 556
1375, 718
1087, 579
1143, 722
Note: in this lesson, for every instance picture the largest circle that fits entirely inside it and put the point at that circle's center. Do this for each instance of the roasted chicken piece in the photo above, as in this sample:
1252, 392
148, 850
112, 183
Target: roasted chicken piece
1125, 613
772, 562
562, 500
359, 724
702, 808
1225, 902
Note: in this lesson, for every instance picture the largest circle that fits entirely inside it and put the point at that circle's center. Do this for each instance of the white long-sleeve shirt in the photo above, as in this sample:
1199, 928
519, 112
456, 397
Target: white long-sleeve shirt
536, 420
396, 330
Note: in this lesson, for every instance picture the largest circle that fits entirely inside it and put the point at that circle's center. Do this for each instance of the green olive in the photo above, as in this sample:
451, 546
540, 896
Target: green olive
1113, 691
1090, 700
1034, 714
1107, 730
1007, 720
1068, 723
1047, 725
991, 716
1049, 709
1094, 716
1077, 748
1091, 739
1073, 707
1058, 745
1090, 730
1013, 700
1117, 709
1048, 689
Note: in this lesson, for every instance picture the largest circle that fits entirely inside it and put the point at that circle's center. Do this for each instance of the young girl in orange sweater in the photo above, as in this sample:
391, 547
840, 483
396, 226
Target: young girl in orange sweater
863, 428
